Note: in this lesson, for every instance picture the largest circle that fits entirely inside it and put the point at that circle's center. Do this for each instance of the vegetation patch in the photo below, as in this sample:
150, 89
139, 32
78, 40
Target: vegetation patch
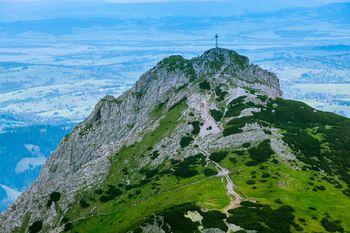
326, 147
263, 218
233, 129
36, 227
159, 108
217, 156
83, 203
54, 197
196, 127
176, 62
175, 220
214, 219
210, 172
111, 193
331, 226
186, 141
188, 167
216, 114
183, 100
205, 85
220, 94
67, 227
262, 152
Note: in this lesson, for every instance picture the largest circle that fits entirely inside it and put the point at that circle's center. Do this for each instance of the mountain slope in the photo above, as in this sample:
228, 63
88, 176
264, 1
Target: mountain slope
205, 144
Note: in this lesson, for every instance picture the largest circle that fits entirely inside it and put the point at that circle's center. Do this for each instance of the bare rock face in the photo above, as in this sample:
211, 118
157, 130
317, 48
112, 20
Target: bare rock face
82, 159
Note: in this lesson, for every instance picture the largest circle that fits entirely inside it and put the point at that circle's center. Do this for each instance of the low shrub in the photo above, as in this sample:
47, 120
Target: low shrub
205, 85
218, 156
263, 219
229, 130
68, 226
175, 220
265, 175
111, 193
262, 152
216, 114
186, 141
250, 204
54, 197
196, 127
210, 172
36, 227
221, 94
187, 168
83, 203
214, 219
250, 182
331, 226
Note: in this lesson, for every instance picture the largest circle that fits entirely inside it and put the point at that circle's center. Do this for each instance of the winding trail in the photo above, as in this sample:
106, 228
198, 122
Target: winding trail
235, 198
230, 187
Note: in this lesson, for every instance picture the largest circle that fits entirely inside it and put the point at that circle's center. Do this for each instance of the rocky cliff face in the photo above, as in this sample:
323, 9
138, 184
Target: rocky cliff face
180, 110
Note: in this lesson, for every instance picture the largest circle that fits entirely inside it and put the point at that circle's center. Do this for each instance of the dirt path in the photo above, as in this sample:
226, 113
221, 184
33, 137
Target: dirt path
230, 187
235, 198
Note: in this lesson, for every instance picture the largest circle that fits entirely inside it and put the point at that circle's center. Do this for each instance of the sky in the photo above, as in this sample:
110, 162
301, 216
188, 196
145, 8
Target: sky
288, 2
15, 10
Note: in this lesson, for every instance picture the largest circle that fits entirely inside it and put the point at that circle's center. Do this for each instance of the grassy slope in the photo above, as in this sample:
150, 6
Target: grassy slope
291, 186
125, 212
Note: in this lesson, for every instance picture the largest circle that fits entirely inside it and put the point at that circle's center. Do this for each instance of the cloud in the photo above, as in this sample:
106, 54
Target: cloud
30, 163
11, 194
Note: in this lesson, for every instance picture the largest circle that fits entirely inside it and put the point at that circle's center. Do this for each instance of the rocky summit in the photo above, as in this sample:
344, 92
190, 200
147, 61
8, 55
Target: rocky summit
199, 145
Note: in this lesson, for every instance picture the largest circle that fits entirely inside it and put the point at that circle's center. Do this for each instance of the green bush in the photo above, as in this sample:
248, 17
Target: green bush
36, 227
265, 175
263, 219
196, 127
83, 203
205, 85
187, 168
186, 141
68, 226
251, 163
262, 152
111, 193
250, 204
214, 219
210, 172
216, 114
250, 182
218, 156
174, 218
154, 154
221, 94
54, 197
99, 191
229, 130
331, 226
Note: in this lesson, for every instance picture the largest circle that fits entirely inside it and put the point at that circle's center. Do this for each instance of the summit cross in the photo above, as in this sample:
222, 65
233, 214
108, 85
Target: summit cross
216, 41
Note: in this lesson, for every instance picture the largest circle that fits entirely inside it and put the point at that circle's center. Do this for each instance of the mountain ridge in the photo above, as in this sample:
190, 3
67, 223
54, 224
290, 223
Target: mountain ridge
181, 119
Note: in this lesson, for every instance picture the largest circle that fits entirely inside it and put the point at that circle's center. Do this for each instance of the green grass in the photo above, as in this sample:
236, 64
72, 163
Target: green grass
161, 190
292, 188
124, 215
316, 197
132, 154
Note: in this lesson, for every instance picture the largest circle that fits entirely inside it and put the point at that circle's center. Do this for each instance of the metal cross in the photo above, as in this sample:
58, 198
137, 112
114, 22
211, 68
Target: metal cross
216, 40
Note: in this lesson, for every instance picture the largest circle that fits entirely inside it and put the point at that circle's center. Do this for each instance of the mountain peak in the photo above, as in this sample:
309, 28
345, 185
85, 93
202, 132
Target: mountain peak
217, 66
180, 110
